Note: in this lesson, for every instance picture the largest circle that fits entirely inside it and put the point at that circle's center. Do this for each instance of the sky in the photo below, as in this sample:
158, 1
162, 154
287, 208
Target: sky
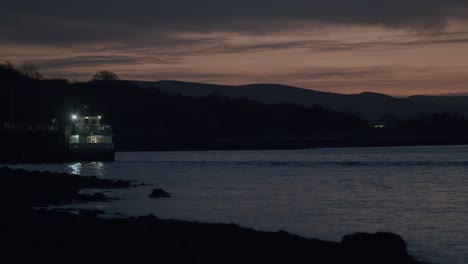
398, 47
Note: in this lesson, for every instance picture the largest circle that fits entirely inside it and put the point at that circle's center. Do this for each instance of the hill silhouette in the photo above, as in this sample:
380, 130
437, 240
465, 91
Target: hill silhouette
150, 117
180, 115
371, 106
458, 101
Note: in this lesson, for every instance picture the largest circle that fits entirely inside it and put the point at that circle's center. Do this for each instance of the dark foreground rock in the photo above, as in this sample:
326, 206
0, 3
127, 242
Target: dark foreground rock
46, 236
159, 193
381, 245
22, 188
90, 212
59, 237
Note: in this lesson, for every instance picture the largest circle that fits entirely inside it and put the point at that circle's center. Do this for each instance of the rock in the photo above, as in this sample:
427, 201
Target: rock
24, 188
159, 193
99, 197
90, 212
95, 197
378, 246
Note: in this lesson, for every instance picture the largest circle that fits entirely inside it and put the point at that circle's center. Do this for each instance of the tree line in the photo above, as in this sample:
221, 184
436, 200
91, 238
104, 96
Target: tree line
133, 110
29, 71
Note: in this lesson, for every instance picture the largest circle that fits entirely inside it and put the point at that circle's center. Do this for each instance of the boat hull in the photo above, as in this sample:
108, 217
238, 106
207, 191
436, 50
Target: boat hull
91, 152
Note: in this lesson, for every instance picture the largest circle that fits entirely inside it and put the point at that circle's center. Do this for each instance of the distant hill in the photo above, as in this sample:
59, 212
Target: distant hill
172, 115
371, 106
458, 101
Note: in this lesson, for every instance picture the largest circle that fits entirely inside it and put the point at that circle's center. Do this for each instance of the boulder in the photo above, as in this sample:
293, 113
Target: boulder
378, 246
159, 193
98, 197
90, 212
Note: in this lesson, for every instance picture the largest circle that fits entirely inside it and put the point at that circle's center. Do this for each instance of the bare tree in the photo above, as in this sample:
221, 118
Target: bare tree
9, 65
30, 71
105, 76
8, 70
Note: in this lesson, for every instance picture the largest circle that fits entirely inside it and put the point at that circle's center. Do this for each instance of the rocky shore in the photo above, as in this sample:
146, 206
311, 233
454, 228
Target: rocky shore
51, 236
24, 189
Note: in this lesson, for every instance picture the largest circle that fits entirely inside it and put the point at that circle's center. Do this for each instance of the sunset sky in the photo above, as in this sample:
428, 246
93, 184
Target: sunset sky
395, 47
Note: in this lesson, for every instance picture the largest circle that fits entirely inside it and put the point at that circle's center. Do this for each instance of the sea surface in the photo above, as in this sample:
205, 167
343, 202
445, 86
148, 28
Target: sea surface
420, 193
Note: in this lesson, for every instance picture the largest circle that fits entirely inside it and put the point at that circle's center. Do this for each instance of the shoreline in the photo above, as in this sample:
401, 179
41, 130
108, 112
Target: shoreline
332, 139
53, 235
144, 149
45, 160
47, 148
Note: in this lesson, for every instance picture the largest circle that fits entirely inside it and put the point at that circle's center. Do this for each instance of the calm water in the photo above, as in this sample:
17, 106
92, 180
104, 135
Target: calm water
420, 193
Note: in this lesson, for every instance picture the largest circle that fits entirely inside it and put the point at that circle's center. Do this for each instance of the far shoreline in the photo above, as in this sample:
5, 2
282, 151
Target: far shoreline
44, 160
149, 149
324, 139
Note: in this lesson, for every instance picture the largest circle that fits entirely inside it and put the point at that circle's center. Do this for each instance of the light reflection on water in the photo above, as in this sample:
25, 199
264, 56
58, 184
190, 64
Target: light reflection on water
418, 192
75, 168
95, 168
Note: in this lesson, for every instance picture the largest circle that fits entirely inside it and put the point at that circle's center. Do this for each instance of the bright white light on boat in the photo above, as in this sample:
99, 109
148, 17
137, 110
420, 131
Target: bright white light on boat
75, 139
99, 117
74, 117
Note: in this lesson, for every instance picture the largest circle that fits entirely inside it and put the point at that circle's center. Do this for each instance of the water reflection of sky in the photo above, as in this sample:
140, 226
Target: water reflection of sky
417, 192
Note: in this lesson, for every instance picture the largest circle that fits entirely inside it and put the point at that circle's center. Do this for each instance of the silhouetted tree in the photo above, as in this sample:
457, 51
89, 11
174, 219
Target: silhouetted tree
105, 76
30, 71
8, 71
8, 65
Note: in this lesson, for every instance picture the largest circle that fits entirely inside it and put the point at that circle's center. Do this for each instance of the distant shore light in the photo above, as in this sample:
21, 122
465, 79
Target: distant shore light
74, 117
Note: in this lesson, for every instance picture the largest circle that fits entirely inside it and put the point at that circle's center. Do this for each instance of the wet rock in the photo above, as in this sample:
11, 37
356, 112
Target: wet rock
90, 213
95, 197
159, 193
99, 197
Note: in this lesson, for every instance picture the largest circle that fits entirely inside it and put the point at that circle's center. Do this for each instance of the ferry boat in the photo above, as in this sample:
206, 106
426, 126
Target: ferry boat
89, 140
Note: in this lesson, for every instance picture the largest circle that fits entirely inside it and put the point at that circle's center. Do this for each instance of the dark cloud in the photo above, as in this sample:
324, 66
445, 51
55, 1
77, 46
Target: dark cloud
188, 76
71, 22
85, 61
327, 45
198, 47
345, 73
